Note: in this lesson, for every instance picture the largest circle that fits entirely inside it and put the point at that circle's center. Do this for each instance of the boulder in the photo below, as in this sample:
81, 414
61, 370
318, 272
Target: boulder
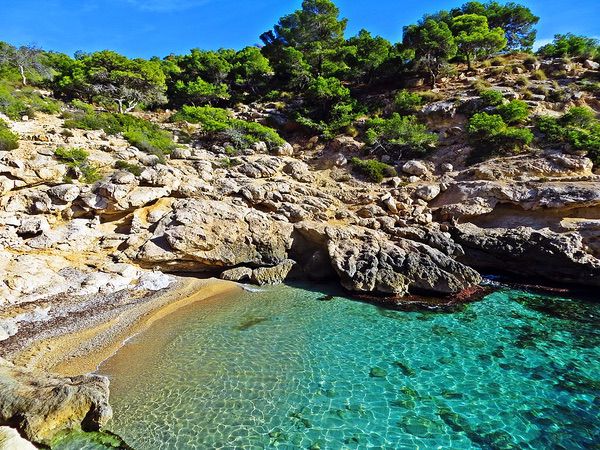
40, 405
209, 235
10, 439
428, 192
273, 275
416, 168
237, 274
592, 65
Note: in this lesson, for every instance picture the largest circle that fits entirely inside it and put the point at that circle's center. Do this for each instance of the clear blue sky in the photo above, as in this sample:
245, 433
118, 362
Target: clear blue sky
144, 28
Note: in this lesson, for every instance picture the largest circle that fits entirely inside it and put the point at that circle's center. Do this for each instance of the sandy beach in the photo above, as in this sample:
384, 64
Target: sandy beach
81, 349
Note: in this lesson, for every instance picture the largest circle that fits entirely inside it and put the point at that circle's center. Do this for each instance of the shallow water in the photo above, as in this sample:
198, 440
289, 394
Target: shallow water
283, 369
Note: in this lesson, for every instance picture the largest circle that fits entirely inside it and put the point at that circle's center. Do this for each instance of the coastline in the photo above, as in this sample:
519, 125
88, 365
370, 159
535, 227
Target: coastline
81, 349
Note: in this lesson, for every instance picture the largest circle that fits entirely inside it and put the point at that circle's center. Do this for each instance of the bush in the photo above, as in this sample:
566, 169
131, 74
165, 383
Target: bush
16, 103
407, 102
539, 75
578, 128
570, 45
140, 133
491, 97
400, 132
129, 167
77, 158
490, 134
375, 170
8, 139
516, 111
215, 122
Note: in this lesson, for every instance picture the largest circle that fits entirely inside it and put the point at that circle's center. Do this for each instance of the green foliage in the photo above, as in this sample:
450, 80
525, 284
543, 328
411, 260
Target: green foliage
201, 92
400, 133
578, 128
538, 75
433, 44
366, 55
26, 101
490, 134
406, 102
474, 37
218, 122
129, 167
514, 112
316, 32
571, 45
140, 133
109, 78
8, 139
28, 61
491, 97
375, 170
77, 158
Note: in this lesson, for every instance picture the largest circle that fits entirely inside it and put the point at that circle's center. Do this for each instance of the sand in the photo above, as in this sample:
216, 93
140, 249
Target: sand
82, 350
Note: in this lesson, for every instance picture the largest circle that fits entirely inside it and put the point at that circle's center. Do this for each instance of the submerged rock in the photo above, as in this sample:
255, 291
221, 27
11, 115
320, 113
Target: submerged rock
40, 405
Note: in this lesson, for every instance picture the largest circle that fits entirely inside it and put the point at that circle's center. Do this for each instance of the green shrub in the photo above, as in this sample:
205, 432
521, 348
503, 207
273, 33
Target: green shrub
129, 167
539, 75
16, 103
401, 133
491, 97
140, 133
516, 111
375, 170
490, 134
218, 121
8, 139
77, 158
407, 102
578, 128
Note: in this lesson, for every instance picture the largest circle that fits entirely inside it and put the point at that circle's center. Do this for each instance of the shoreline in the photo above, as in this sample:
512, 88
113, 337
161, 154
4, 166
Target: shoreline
78, 351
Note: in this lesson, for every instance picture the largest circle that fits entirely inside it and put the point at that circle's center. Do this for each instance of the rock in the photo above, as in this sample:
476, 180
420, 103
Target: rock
428, 192
416, 168
10, 439
345, 144
237, 274
369, 262
439, 109
556, 257
377, 372
40, 405
284, 150
33, 226
64, 192
592, 65
273, 275
209, 235
447, 168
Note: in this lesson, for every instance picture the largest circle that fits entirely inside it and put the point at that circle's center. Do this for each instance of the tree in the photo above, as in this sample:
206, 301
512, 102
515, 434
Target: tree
250, 69
474, 37
28, 60
211, 66
571, 45
433, 44
316, 31
200, 92
107, 76
366, 55
516, 20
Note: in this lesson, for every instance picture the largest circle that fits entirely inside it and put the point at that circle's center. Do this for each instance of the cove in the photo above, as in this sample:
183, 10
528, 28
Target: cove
290, 368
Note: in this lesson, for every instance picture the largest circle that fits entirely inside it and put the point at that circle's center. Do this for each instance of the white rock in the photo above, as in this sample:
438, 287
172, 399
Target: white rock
414, 167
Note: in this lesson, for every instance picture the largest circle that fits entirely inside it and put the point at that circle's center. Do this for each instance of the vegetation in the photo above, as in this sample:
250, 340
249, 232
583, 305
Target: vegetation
77, 160
398, 134
514, 112
407, 102
578, 129
490, 134
375, 170
8, 139
572, 46
491, 97
129, 167
215, 122
140, 133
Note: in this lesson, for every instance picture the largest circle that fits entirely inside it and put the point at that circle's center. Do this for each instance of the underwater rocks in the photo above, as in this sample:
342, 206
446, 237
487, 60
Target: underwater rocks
557, 257
40, 405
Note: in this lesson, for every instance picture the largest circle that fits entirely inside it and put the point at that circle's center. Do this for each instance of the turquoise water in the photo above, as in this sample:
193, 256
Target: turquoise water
284, 368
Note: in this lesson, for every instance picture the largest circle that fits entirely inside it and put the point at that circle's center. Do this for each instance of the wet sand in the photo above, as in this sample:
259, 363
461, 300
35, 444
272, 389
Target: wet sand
82, 350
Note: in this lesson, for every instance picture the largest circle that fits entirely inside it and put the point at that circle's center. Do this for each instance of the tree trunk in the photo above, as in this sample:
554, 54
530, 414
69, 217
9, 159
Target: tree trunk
120, 103
469, 66
23, 77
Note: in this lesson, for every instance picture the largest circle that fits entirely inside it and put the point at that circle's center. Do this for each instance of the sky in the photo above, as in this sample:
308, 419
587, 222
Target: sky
145, 28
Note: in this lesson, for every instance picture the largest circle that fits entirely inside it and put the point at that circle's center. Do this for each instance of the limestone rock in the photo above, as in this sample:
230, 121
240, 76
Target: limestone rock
10, 439
237, 274
42, 405
416, 168
273, 275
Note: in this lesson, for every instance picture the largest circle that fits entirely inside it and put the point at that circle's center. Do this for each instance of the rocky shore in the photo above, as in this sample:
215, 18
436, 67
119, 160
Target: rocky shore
86, 265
